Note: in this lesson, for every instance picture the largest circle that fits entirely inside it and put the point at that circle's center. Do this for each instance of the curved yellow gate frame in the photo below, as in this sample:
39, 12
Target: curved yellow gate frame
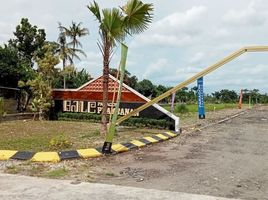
206, 71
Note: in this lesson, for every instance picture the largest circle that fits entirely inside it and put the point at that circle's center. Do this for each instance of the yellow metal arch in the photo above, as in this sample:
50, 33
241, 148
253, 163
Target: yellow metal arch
206, 71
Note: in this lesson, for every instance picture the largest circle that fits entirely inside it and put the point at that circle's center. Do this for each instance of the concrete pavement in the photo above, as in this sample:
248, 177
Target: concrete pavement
14, 187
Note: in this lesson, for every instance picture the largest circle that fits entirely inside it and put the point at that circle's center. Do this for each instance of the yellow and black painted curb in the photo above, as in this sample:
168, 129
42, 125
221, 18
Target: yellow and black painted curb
83, 153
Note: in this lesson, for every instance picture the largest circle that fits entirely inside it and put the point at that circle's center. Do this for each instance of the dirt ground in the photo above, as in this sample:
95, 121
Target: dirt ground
229, 159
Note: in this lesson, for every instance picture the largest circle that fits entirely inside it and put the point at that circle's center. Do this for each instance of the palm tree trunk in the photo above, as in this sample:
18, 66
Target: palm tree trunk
64, 76
106, 58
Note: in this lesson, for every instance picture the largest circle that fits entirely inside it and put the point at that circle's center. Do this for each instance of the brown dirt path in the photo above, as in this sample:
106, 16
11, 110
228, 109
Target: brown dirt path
228, 160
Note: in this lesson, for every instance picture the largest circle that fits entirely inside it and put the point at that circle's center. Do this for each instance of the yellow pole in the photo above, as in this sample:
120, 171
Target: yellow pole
194, 78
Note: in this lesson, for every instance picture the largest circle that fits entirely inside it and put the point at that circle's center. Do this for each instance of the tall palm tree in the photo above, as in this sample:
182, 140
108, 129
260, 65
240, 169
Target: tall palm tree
114, 25
74, 32
64, 51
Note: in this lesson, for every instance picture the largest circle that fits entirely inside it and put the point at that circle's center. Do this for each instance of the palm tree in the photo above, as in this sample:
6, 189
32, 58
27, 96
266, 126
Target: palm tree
74, 32
65, 53
114, 25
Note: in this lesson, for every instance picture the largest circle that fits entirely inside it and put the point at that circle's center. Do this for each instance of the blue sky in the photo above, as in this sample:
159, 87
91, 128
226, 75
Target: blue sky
184, 38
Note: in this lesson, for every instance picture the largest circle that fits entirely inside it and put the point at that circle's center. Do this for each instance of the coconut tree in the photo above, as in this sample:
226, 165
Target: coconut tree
74, 32
65, 53
114, 25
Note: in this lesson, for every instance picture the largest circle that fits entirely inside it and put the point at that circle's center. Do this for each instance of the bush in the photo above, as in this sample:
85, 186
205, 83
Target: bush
59, 142
133, 121
181, 108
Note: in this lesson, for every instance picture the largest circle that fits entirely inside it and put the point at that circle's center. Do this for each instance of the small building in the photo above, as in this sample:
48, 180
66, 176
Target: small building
88, 99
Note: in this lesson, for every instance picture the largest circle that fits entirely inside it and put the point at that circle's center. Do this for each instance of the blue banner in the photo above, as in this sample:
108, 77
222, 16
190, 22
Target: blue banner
200, 95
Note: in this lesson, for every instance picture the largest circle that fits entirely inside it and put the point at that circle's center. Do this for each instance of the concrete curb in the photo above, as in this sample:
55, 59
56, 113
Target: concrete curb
84, 153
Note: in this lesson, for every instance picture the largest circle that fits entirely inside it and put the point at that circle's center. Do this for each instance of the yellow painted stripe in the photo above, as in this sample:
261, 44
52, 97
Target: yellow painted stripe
150, 139
162, 136
119, 148
46, 157
137, 143
7, 154
88, 153
171, 134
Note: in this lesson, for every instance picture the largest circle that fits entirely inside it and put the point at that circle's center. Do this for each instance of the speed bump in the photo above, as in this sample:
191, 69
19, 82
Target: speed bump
152, 140
7, 154
119, 148
163, 137
84, 153
138, 143
46, 157
89, 153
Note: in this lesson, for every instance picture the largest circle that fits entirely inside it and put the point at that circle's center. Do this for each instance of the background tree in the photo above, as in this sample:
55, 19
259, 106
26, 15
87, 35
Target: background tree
114, 25
225, 96
28, 40
10, 70
27, 44
131, 81
74, 32
65, 52
146, 87
43, 83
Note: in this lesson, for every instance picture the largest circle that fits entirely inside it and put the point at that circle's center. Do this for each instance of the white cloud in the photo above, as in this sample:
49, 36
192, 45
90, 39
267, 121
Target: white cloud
245, 16
184, 38
176, 29
156, 69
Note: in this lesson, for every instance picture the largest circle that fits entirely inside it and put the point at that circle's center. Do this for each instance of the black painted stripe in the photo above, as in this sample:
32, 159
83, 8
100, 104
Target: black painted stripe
68, 154
129, 145
157, 138
144, 141
23, 155
99, 149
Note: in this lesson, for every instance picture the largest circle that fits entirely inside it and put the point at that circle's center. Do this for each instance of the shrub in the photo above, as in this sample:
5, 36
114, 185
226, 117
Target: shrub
60, 142
133, 121
181, 108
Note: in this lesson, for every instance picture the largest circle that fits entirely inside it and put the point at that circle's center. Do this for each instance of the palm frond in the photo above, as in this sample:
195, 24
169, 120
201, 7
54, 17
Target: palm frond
138, 16
112, 25
95, 9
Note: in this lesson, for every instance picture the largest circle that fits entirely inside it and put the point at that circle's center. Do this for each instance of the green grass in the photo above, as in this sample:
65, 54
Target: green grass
35, 136
57, 173
193, 108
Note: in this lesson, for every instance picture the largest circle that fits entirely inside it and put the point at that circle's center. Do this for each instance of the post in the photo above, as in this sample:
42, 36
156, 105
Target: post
172, 102
200, 94
240, 99
107, 146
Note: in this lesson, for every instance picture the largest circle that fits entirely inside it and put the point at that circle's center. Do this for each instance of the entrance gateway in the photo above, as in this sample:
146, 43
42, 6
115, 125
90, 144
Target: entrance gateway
88, 99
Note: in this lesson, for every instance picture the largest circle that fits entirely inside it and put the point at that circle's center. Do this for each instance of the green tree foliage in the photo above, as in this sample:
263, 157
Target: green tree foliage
74, 32
74, 78
28, 40
46, 65
146, 87
226, 96
42, 85
128, 79
67, 51
114, 25
10, 70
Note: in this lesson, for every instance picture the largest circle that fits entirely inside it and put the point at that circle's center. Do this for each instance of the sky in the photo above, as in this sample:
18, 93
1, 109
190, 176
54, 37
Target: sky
185, 37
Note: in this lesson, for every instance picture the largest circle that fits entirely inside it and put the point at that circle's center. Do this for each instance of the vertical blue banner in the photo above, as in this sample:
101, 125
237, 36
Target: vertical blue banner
200, 95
